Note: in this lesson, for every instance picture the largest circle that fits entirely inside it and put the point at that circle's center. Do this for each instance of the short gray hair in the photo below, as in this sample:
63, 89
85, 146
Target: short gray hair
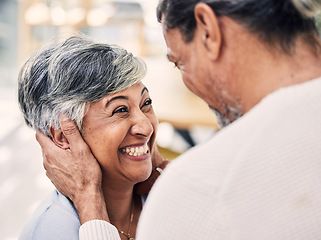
65, 78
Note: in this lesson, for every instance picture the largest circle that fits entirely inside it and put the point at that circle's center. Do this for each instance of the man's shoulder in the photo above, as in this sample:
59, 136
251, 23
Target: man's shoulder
55, 218
209, 159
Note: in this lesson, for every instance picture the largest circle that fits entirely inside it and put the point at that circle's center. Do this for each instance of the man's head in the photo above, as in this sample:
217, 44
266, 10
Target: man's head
213, 41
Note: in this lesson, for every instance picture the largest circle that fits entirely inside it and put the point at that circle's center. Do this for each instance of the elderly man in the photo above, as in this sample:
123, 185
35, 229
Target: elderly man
257, 65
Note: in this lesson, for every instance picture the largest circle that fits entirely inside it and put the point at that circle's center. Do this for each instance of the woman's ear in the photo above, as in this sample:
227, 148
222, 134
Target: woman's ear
208, 29
59, 138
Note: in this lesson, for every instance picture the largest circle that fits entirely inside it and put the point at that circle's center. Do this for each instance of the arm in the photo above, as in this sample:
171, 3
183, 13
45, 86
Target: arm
98, 230
75, 172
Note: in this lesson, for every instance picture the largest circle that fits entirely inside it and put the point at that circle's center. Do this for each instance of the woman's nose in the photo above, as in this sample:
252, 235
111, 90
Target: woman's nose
142, 126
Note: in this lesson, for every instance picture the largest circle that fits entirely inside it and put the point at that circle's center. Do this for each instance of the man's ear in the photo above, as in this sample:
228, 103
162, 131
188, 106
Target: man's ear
208, 29
59, 138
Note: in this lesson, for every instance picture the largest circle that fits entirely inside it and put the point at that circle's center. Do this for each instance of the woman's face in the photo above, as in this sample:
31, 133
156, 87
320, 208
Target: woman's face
120, 130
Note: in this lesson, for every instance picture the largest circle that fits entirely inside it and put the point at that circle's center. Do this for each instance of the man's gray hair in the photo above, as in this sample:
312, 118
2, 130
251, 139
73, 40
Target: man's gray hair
65, 78
308, 8
277, 23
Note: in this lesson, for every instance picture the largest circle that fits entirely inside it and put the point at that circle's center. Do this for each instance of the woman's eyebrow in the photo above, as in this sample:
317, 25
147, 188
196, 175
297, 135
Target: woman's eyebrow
123, 97
144, 89
115, 98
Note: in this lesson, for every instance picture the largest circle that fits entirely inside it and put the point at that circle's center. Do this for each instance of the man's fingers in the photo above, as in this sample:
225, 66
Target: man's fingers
71, 132
43, 140
47, 145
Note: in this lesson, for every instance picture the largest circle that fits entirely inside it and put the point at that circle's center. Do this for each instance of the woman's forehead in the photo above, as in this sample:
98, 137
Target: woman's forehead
137, 88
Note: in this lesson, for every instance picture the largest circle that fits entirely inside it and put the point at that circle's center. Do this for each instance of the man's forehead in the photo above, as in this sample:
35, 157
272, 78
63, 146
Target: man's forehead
169, 37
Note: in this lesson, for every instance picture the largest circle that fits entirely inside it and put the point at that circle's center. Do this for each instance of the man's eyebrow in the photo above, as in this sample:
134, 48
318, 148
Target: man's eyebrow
115, 98
171, 57
144, 89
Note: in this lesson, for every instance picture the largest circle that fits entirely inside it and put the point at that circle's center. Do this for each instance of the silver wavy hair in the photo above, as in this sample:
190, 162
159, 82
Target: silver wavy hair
67, 77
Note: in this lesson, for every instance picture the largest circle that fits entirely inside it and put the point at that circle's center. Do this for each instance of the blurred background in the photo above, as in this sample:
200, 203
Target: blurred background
25, 25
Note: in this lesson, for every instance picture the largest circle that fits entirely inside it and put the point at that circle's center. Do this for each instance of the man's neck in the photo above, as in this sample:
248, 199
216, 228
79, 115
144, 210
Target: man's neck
274, 72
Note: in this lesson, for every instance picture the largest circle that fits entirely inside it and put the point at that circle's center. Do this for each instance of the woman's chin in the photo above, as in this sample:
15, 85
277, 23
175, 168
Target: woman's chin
141, 177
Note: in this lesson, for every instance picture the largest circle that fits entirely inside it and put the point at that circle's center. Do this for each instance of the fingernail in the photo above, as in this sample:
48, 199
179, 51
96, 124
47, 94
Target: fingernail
63, 117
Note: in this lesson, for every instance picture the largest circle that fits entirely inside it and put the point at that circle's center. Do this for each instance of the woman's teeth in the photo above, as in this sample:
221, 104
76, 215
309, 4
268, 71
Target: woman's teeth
136, 151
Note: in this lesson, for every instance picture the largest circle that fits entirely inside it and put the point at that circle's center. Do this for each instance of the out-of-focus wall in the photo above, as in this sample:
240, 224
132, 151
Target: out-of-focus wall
125, 23
25, 25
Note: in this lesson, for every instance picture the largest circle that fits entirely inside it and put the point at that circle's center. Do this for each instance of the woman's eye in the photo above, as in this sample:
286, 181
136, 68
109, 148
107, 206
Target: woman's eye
120, 110
148, 102
147, 105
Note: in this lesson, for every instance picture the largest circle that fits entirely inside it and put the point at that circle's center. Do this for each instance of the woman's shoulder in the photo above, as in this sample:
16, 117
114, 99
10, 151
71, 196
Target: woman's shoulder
55, 218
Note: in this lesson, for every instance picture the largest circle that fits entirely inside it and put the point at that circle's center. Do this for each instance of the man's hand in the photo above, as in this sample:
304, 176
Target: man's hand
75, 172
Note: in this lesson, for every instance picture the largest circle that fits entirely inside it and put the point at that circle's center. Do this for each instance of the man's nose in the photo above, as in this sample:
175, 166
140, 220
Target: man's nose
142, 126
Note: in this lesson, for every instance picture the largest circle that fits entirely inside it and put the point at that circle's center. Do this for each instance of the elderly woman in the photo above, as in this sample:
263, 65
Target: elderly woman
99, 87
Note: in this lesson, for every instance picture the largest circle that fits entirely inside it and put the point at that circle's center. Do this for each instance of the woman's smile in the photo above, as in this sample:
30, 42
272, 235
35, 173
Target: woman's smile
136, 150
136, 153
